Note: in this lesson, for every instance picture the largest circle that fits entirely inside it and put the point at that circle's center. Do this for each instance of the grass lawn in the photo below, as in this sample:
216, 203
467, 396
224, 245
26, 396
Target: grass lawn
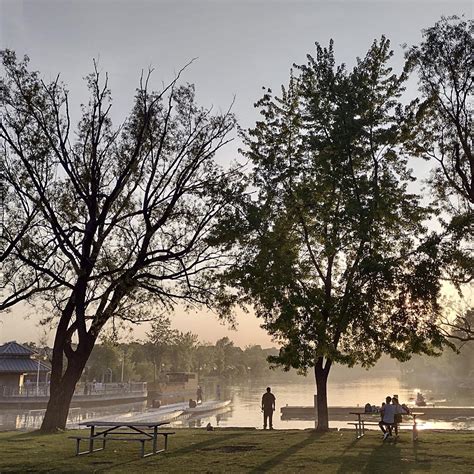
247, 450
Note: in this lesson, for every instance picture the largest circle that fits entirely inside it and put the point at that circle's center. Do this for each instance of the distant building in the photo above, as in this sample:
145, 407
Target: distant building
179, 387
18, 370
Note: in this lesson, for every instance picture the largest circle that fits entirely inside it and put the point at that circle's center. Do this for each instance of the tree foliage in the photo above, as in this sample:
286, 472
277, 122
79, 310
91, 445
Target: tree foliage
158, 339
332, 254
443, 128
441, 131
104, 222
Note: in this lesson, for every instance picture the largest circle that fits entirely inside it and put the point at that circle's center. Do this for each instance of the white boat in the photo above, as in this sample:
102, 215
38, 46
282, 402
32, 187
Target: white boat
165, 413
210, 405
160, 414
168, 412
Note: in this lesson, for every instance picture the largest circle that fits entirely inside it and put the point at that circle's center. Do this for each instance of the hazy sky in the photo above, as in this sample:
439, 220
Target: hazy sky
240, 45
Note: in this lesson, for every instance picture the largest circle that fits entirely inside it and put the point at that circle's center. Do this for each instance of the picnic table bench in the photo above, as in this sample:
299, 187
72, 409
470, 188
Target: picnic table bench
360, 423
105, 431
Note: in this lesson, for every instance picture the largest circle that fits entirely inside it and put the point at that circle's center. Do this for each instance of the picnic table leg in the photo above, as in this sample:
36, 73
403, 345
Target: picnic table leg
91, 440
143, 447
155, 436
360, 427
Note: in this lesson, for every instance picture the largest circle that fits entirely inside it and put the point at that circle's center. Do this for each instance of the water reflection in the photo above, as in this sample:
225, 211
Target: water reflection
31, 419
245, 408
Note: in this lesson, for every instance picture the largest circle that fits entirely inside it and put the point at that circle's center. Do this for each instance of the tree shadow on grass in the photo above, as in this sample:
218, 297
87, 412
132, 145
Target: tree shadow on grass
204, 444
352, 445
103, 461
171, 453
21, 435
279, 458
389, 457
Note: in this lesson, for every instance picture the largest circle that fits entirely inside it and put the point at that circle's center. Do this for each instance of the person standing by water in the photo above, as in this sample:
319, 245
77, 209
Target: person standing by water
199, 394
268, 407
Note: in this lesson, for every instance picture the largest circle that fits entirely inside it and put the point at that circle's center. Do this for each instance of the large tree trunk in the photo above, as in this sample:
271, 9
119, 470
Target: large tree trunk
63, 386
59, 401
321, 373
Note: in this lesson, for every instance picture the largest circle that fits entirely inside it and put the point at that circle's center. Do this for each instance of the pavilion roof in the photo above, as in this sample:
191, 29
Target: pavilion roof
22, 366
12, 348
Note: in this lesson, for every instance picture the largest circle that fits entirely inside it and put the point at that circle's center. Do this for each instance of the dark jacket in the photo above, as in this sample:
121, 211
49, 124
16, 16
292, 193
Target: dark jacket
268, 401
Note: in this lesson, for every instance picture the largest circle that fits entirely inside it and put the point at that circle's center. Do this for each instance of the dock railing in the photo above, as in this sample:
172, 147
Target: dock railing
83, 389
97, 388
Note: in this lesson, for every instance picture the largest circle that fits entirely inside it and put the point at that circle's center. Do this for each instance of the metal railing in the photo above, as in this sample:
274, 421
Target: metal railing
97, 388
27, 390
82, 389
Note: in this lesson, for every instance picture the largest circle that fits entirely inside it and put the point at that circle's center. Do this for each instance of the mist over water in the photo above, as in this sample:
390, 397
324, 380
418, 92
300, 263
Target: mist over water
246, 398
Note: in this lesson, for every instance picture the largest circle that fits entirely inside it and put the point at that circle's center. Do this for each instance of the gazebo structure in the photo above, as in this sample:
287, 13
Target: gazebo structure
19, 372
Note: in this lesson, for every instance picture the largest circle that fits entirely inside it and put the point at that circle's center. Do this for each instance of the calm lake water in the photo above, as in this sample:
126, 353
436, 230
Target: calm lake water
245, 408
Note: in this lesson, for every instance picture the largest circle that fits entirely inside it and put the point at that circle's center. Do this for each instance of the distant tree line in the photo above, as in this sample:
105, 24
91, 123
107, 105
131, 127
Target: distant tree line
229, 363
145, 362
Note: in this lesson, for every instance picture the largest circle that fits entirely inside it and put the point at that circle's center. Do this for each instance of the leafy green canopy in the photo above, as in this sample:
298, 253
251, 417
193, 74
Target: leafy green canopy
330, 239
102, 221
440, 130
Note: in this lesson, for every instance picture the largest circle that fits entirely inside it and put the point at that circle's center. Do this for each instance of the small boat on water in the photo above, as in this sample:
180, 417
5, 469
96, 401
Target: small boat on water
165, 413
210, 405
420, 400
159, 414
168, 412
210, 408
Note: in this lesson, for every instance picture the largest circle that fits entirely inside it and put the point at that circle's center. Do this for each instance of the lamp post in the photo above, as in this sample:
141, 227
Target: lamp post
46, 382
37, 377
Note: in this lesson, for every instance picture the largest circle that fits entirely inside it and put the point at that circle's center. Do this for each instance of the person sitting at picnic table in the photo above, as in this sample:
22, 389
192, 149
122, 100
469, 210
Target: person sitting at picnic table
399, 411
387, 414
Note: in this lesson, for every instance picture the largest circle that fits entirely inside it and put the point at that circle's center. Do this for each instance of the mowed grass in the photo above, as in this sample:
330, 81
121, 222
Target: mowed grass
247, 450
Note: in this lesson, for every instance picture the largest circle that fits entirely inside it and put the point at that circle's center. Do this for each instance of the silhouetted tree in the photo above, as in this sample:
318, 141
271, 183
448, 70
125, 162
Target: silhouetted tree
444, 64
331, 255
183, 351
441, 131
104, 357
157, 344
104, 223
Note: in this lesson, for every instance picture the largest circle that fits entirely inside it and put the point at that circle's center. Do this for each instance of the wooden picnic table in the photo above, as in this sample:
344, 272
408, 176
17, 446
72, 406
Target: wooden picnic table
414, 414
360, 425
123, 431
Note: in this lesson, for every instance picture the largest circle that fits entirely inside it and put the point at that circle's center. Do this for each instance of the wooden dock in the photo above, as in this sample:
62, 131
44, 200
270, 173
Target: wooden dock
342, 413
